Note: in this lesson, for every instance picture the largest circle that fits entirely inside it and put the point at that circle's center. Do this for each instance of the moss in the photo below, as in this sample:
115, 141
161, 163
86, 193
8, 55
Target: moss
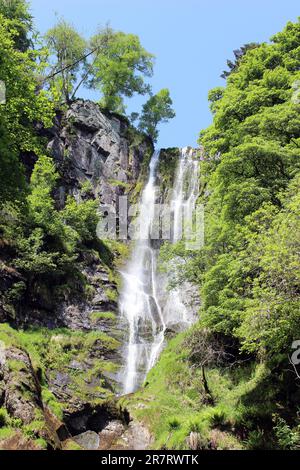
52, 351
52, 403
71, 445
6, 432
120, 184
4, 417
33, 429
119, 249
111, 294
135, 194
167, 166
102, 316
15, 365
41, 443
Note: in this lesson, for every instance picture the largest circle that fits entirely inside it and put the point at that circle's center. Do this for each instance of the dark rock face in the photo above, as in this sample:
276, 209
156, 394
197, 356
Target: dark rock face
88, 440
96, 148
8, 278
101, 153
99, 157
17, 375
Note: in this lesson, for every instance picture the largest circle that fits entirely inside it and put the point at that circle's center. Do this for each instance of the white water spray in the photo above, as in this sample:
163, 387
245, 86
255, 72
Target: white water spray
138, 302
147, 310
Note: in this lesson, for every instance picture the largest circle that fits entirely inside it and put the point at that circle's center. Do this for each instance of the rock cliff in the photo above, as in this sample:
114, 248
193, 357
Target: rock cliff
59, 363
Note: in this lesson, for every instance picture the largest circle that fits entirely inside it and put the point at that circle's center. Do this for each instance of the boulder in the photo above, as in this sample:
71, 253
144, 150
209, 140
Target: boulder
88, 440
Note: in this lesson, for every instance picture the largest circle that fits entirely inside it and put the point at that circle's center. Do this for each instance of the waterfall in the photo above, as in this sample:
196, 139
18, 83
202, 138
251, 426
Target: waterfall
183, 202
145, 303
138, 302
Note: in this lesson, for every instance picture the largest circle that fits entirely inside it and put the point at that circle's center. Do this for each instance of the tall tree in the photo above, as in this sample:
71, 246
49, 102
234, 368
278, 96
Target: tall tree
23, 107
156, 110
120, 67
18, 12
68, 50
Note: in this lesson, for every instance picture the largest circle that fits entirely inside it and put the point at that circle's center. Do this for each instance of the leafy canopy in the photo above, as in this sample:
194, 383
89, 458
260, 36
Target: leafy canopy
25, 105
119, 68
251, 165
18, 12
157, 109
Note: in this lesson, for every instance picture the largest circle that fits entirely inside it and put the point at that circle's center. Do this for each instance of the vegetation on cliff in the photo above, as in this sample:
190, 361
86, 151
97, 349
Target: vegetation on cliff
227, 383
230, 378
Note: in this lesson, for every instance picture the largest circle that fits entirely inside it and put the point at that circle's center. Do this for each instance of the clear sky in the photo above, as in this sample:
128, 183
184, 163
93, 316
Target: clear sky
191, 39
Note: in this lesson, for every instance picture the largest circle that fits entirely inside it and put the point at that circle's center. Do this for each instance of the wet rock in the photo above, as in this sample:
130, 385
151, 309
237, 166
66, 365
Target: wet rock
174, 328
111, 433
21, 389
9, 277
135, 436
88, 440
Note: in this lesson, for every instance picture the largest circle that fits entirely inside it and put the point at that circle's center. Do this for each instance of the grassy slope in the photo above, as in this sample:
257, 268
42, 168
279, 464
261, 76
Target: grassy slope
172, 403
51, 351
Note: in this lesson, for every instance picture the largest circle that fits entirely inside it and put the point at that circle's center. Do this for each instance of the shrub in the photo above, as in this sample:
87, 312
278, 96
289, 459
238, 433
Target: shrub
173, 423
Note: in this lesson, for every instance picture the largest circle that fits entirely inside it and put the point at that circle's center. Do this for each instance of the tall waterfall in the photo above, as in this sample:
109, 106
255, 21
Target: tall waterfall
145, 302
183, 202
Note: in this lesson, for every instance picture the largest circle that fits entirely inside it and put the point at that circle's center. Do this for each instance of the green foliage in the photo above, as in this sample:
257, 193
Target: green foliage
25, 105
119, 67
248, 270
72, 445
174, 400
156, 110
52, 403
102, 316
250, 285
4, 418
82, 217
18, 12
174, 423
48, 241
6, 433
288, 439
53, 351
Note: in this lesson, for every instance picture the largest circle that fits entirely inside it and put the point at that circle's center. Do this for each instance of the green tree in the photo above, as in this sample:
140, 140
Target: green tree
25, 105
156, 110
250, 282
18, 12
68, 51
119, 67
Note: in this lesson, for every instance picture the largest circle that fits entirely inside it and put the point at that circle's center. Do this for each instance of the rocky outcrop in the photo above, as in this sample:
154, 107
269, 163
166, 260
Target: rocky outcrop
96, 150
17, 375
9, 277
98, 156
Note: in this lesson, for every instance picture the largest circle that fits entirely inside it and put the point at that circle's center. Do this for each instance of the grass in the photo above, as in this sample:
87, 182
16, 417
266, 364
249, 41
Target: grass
95, 316
52, 403
4, 418
41, 443
120, 184
52, 351
175, 404
6, 432
71, 445
111, 294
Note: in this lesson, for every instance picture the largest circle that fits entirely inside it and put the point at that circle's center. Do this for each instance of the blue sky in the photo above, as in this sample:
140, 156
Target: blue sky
191, 39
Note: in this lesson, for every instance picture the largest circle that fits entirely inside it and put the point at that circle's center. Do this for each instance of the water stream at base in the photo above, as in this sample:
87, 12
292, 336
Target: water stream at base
146, 309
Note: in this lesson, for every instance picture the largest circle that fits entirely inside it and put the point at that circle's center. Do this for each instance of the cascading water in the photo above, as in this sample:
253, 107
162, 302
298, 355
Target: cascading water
147, 310
183, 202
138, 301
